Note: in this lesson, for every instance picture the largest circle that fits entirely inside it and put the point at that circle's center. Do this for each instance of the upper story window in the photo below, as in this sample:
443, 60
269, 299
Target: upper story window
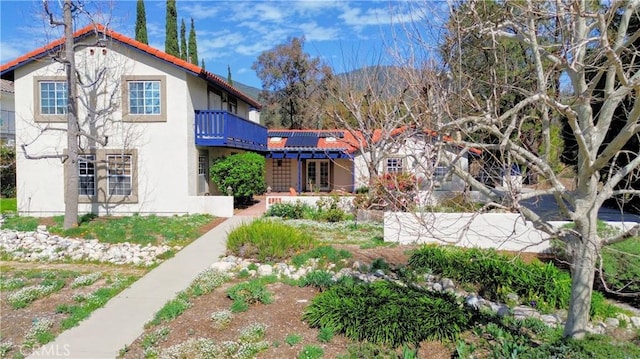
53, 97
395, 165
144, 98
50, 98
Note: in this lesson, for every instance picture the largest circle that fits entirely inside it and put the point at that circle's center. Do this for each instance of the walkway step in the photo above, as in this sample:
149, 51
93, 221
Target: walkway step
122, 319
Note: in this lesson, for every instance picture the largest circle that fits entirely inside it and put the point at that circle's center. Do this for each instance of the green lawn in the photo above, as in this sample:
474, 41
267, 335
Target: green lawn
8, 205
176, 230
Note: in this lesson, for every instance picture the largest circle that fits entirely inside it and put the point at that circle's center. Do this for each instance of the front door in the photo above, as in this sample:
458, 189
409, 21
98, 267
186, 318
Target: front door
318, 175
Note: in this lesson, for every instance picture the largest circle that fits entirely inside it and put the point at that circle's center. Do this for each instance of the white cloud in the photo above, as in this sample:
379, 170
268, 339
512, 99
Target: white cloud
10, 51
200, 11
313, 32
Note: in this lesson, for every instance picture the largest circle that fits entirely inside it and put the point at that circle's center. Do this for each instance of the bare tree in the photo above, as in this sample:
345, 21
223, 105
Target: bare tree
591, 49
90, 102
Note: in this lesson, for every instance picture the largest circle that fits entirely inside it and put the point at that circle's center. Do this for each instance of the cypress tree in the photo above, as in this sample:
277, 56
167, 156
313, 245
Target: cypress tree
193, 47
141, 23
171, 39
229, 79
183, 41
202, 65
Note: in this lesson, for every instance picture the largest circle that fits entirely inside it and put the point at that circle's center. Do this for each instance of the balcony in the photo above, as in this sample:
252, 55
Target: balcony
219, 128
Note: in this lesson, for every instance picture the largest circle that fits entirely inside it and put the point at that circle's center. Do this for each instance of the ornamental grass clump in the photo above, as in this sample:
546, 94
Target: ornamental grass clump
267, 240
388, 314
497, 275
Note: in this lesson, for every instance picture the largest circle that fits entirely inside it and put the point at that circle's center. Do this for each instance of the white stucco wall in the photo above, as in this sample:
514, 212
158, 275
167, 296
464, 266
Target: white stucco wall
501, 231
417, 156
167, 161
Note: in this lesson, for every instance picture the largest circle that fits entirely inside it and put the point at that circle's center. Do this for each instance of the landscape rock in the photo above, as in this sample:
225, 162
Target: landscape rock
42, 246
223, 267
635, 321
265, 270
612, 322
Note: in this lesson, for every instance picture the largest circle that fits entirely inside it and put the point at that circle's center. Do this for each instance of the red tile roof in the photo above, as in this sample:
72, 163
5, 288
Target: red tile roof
98, 28
351, 141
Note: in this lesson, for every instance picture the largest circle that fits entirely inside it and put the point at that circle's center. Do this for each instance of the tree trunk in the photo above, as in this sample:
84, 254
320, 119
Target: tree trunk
585, 251
71, 163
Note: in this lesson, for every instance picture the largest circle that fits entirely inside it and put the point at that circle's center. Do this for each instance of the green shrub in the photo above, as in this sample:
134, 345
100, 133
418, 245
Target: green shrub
311, 352
250, 292
288, 210
7, 172
387, 313
267, 240
243, 172
318, 278
497, 275
293, 339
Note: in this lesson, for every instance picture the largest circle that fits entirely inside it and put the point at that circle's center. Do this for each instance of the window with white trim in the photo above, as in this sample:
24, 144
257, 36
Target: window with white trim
440, 172
144, 98
87, 175
395, 165
53, 97
119, 175
202, 165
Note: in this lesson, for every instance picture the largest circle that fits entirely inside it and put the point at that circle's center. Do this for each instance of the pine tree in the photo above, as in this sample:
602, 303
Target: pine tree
229, 79
171, 39
193, 47
141, 23
183, 41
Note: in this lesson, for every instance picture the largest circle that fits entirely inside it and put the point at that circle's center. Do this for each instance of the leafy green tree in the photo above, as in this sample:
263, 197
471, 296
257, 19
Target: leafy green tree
171, 46
7, 171
193, 46
141, 23
243, 173
183, 41
292, 84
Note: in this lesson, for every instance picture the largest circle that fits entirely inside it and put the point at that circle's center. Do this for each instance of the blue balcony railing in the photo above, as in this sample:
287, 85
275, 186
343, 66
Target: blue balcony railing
223, 129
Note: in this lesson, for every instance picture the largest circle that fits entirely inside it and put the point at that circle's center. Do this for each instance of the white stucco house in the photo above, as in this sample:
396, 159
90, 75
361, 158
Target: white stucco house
153, 122
339, 160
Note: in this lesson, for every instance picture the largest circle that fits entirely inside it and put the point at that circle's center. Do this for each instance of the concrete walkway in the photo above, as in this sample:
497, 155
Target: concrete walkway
122, 319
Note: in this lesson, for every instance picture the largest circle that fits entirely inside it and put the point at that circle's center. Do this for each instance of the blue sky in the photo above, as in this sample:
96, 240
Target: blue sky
345, 34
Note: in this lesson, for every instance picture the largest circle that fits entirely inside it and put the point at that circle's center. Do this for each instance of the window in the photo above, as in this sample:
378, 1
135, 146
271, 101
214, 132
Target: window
144, 97
87, 175
439, 172
50, 98
394, 165
202, 165
119, 175
53, 97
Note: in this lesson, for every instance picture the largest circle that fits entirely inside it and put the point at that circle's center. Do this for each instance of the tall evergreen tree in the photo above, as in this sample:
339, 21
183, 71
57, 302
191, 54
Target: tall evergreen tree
183, 41
171, 40
229, 79
193, 46
141, 23
202, 64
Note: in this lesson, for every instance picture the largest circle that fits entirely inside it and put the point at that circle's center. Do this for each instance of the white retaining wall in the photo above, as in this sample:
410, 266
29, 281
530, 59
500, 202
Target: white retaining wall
502, 231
